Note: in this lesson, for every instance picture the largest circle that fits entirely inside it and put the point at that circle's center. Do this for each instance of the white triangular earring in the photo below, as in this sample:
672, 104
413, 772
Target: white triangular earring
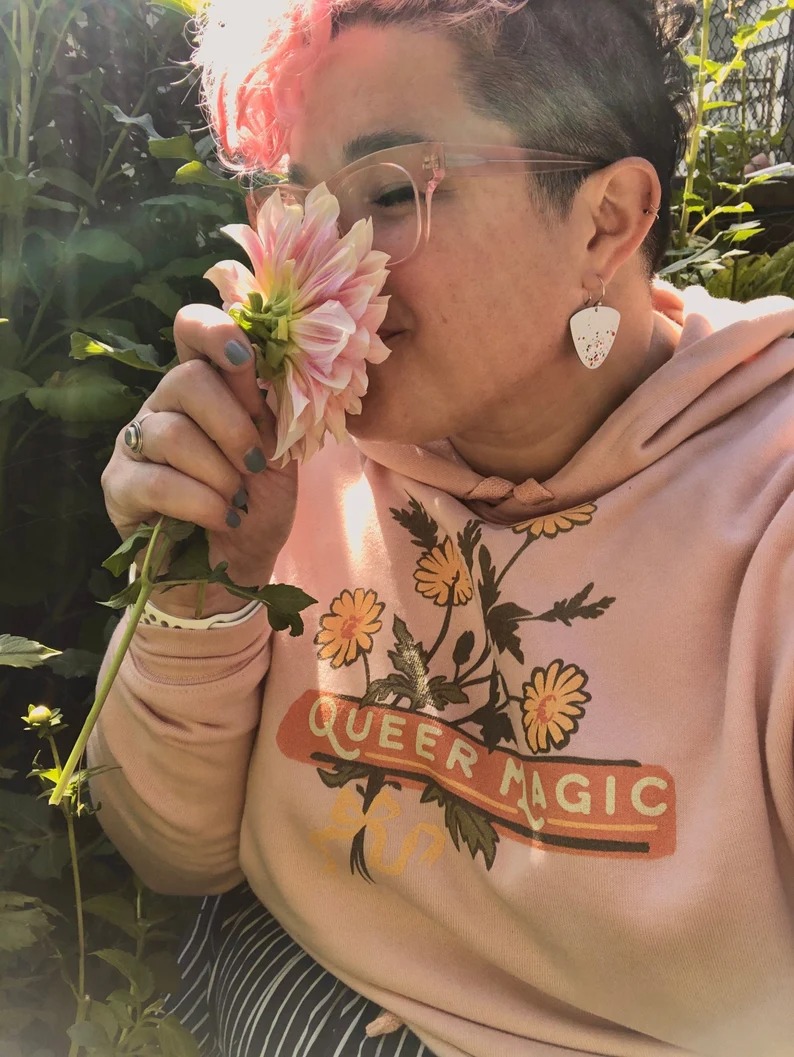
594, 330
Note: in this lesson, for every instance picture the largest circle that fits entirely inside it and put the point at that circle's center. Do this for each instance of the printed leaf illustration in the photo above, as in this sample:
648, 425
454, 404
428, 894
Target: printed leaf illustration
468, 540
489, 592
423, 529
412, 681
343, 773
568, 609
495, 726
494, 723
502, 623
463, 648
464, 823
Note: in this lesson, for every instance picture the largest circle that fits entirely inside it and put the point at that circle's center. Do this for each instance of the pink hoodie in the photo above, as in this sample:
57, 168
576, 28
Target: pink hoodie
527, 780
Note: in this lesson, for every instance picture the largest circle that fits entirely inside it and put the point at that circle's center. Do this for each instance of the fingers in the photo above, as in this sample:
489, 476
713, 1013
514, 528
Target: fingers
204, 332
133, 491
196, 391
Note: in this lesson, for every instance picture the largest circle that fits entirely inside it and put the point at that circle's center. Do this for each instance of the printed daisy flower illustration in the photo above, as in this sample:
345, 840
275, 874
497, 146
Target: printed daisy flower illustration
346, 632
551, 705
442, 576
553, 524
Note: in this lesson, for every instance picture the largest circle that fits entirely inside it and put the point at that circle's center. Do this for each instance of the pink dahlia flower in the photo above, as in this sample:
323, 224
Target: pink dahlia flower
312, 309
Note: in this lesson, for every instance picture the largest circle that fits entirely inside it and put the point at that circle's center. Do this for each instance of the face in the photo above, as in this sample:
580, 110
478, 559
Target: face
483, 307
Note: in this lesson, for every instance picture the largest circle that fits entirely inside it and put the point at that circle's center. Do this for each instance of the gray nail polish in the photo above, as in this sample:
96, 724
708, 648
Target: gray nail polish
237, 353
233, 519
255, 460
240, 498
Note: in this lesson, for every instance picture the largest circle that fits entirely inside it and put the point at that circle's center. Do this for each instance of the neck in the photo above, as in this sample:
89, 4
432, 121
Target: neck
536, 440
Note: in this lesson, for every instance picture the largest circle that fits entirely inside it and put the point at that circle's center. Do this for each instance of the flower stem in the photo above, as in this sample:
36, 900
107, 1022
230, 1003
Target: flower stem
148, 575
78, 904
694, 143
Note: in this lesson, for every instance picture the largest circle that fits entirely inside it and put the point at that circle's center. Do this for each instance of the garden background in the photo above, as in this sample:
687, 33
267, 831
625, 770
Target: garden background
110, 205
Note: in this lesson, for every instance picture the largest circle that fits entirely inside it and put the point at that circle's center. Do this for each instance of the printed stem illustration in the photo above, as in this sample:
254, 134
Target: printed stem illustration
445, 626
514, 559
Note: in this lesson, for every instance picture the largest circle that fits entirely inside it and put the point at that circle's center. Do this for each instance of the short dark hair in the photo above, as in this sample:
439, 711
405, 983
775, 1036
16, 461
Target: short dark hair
598, 79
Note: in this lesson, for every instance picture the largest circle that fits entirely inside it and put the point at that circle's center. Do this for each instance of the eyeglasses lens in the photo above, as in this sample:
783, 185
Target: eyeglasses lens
386, 193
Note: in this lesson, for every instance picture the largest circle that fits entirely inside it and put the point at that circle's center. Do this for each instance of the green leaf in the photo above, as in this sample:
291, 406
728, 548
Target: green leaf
102, 245
103, 1015
48, 140
140, 976
196, 173
174, 147
114, 909
87, 1033
143, 121
84, 394
161, 296
74, 664
23, 653
144, 357
15, 193
13, 383
182, 7
127, 597
124, 555
718, 104
23, 921
67, 180
175, 1040
42, 202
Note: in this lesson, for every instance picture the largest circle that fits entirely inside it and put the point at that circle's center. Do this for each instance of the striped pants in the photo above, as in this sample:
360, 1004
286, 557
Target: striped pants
248, 990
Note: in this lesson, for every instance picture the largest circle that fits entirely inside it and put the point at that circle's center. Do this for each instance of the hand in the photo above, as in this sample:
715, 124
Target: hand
206, 443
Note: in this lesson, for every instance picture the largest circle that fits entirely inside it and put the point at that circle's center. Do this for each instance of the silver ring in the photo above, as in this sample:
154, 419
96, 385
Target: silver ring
133, 434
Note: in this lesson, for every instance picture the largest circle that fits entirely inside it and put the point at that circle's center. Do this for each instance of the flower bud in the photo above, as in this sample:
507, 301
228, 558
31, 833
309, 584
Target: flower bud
39, 715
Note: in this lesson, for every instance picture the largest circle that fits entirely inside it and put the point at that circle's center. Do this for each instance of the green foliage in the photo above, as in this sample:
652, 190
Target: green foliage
711, 208
100, 249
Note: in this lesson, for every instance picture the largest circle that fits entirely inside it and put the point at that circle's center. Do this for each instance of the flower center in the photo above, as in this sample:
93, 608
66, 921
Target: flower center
543, 714
350, 628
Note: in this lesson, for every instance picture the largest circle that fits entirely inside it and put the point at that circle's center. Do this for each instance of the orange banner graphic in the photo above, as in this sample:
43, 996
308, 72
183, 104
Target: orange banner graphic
580, 806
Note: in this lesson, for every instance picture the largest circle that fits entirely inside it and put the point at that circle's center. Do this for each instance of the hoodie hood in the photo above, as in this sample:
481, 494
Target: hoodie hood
727, 353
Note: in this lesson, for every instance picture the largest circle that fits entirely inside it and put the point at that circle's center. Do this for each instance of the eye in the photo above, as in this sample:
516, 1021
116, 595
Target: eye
394, 196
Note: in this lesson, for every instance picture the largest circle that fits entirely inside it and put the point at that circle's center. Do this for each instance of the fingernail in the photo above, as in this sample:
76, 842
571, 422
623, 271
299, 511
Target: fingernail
233, 519
240, 498
255, 460
237, 353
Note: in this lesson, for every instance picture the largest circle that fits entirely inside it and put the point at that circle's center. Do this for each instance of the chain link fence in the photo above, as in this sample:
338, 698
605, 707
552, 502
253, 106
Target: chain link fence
764, 94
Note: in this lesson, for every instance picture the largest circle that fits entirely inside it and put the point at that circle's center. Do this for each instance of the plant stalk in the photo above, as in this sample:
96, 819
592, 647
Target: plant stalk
78, 904
148, 574
694, 145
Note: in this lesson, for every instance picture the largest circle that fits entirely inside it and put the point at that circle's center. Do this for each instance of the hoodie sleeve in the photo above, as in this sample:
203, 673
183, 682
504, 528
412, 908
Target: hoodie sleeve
762, 665
178, 729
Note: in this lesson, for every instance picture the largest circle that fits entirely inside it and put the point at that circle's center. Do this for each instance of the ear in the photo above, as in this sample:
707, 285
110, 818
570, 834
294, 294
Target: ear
612, 203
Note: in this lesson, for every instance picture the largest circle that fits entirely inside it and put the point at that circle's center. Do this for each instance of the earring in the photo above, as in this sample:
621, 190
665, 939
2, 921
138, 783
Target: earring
594, 329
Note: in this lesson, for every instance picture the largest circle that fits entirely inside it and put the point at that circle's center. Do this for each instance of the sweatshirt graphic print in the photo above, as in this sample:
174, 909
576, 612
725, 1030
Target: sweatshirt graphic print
484, 746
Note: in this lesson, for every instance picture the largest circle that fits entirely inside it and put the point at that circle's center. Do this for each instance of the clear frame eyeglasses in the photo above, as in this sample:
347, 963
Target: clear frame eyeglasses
395, 186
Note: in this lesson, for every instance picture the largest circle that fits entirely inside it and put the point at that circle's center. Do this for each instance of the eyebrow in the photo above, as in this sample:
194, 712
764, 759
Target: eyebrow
361, 146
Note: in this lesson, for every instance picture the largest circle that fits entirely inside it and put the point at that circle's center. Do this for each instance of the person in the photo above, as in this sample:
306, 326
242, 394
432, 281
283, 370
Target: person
525, 785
